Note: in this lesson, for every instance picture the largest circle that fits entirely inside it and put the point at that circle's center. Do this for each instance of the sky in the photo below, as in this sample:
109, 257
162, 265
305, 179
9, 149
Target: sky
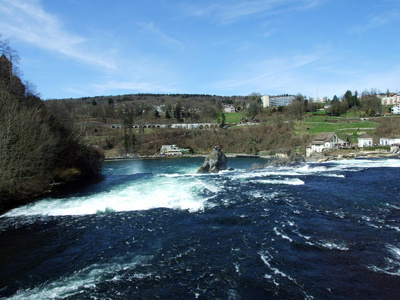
318, 48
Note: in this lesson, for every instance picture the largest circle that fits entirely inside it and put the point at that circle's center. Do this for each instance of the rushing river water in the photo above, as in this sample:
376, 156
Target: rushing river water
155, 229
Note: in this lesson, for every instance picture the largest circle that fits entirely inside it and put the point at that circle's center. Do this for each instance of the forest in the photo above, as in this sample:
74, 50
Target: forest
37, 151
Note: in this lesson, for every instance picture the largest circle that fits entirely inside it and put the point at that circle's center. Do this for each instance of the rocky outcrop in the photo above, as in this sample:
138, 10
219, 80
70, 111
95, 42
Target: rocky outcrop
347, 154
291, 159
214, 162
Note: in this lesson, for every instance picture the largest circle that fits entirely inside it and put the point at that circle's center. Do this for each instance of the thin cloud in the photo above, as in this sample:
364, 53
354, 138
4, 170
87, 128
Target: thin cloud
376, 21
229, 13
27, 21
151, 29
277, 72
131, 86
305, 73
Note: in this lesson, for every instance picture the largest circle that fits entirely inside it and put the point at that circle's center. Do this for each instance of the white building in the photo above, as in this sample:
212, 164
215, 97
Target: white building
389, 141
265, 100
229, 109
391, 99
283, 100
170, 150
396, 109
320, 100
324, 141
365, 141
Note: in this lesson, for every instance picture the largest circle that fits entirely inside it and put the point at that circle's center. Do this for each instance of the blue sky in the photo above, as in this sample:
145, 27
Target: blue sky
75, 48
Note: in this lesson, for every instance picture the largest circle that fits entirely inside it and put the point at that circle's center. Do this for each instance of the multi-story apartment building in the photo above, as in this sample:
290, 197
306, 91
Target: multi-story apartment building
282, 100
390, 99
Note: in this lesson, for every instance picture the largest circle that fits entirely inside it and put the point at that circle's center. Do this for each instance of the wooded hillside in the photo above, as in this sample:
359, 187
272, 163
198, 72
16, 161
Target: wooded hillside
36, 150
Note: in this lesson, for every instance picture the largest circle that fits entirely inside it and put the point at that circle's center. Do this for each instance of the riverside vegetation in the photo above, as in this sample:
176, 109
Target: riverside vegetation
36, 149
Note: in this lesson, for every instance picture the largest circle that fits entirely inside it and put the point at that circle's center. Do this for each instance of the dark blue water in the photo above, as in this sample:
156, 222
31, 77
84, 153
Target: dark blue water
154, 229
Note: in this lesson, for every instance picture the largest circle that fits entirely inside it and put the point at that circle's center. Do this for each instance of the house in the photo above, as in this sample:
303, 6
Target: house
389, 141
390, 99
170, 150
229, 109
365, 141
324, 141
395, 109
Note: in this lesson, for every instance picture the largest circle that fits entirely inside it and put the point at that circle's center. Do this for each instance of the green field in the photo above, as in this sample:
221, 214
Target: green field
318, 124
234, 117
342, 126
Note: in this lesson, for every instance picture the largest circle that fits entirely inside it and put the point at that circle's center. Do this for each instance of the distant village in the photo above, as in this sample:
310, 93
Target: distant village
330, 141
323, 141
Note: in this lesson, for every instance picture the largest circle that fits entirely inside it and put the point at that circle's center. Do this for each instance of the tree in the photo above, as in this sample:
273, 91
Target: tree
221, 120
371, 103
297, 108
167, 114
128, 123
178, 112
254, 109
352, 100
335, 109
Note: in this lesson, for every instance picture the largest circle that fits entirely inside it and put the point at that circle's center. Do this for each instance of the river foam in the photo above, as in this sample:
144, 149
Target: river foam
155, 192
175, 188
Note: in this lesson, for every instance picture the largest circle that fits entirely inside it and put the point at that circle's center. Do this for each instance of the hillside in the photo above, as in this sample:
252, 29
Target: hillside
36, 149
289, 128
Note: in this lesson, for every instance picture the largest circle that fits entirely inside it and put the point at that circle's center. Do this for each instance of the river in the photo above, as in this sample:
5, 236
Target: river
155, 229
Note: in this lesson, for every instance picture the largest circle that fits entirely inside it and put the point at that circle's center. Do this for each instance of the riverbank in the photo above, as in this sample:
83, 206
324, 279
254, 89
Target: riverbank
350, 154
339, 154
229, 155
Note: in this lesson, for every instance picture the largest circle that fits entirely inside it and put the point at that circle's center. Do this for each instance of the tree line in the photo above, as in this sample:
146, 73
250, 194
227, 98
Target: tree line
186, 108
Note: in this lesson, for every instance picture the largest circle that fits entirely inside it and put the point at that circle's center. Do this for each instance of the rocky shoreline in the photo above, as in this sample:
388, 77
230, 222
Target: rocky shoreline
346, 154
316, 157
229, 155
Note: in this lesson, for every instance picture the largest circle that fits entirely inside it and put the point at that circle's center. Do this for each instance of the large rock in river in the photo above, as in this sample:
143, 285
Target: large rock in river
214, 162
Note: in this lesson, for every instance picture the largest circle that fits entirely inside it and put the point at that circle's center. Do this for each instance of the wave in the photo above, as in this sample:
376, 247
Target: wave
282, 235
392, 266
83, 280
330, 245
292, 171
266, 257
285, 181
143, 194
335, 168
277, 276
325, 169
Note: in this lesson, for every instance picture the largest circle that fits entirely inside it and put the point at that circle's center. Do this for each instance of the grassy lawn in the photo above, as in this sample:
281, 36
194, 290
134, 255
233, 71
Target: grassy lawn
234, 117
324, 123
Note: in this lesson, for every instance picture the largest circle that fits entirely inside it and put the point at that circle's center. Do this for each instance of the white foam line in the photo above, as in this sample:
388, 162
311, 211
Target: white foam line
157, 192
394, 250
334, 246
393, 262
86, 278
278, 233
286, 181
